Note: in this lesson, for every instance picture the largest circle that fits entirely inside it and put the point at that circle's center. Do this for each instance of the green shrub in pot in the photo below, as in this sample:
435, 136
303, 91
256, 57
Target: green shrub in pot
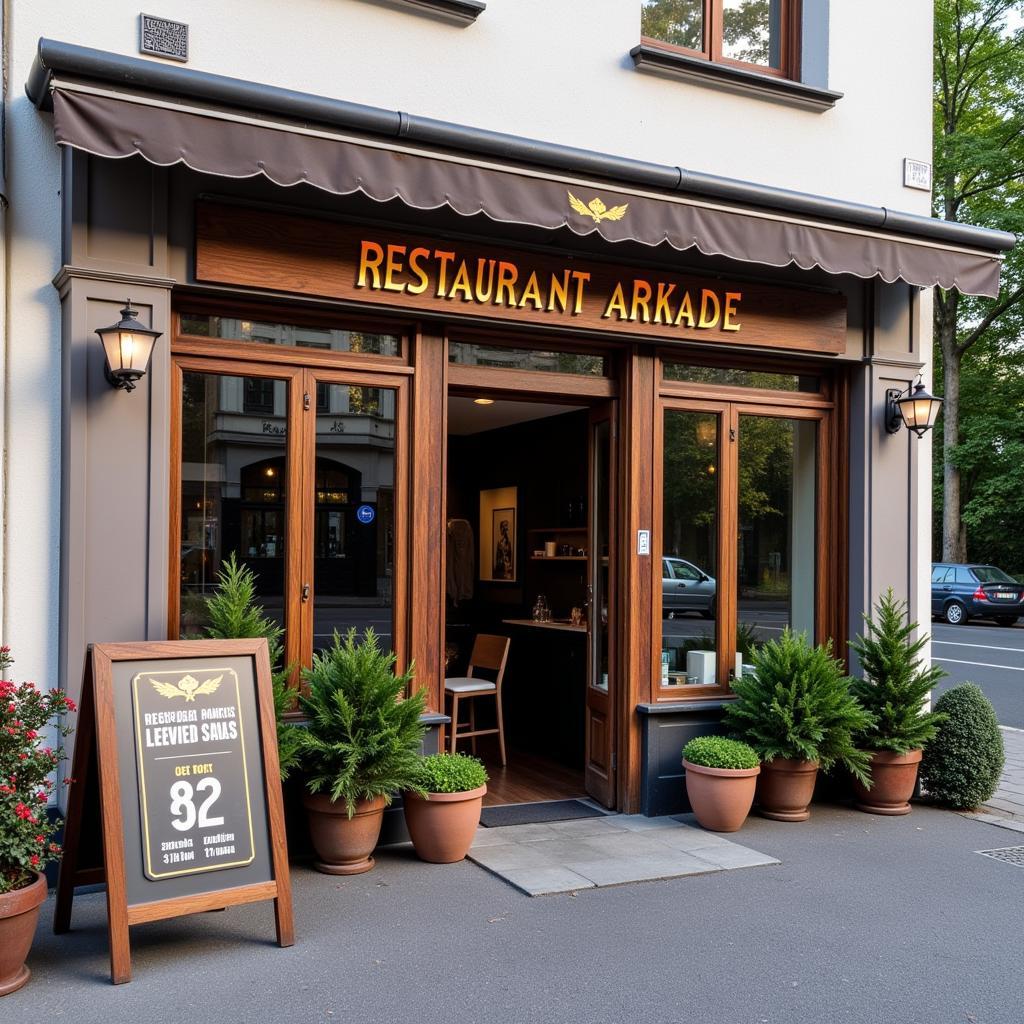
894, 689
443, 818
721, 775
451, 773
361, 746
796, 710
720, 752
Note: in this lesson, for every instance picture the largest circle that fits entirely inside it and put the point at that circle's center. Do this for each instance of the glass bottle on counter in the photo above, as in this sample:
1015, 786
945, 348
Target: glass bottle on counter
541, 611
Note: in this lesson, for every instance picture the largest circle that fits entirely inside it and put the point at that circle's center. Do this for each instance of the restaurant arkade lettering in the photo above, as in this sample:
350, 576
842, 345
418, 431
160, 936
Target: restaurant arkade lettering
193, 776
444, 274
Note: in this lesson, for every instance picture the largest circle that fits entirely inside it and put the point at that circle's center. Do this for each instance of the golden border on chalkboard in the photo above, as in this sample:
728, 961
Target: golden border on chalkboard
151, 873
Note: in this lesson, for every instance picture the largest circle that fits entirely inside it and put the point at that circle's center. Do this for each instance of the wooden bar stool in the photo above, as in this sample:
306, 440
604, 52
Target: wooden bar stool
490, 654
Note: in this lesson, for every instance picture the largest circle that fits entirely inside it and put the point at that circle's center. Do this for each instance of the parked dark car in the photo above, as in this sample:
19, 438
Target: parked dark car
963, 592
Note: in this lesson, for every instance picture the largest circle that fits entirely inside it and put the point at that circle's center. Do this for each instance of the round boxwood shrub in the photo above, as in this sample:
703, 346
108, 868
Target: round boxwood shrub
962, 764
719, 752
451, 773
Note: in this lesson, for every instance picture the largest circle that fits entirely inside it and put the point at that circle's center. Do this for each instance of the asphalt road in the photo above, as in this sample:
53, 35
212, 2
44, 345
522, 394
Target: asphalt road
989, 655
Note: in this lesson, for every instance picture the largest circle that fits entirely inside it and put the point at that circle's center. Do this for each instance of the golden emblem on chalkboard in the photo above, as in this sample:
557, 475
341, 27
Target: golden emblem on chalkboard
596, 209
188, 687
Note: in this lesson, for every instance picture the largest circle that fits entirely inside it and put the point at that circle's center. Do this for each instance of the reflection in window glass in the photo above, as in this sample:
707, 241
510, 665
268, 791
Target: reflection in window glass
270, 333
777, 496
354, 525
233, 489
689, 555
742, 378
470, 354
679, 22
752, 31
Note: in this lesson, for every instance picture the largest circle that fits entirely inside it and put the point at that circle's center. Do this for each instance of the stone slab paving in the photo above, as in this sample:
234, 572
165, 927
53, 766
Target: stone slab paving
589, 853
1006, 808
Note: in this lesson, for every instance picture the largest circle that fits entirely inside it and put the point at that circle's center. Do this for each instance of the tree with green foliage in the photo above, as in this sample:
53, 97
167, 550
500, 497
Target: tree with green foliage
979, 179
234, 614
895, 684
797, 704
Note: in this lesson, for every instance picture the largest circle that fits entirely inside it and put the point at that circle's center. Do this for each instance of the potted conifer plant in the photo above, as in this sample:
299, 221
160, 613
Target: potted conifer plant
894, 689
796, 710
26, 847
721, 775
360, 748
443, 819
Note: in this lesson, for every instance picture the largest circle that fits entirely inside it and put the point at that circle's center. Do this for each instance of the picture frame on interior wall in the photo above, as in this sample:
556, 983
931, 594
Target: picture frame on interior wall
499, 549
503, 539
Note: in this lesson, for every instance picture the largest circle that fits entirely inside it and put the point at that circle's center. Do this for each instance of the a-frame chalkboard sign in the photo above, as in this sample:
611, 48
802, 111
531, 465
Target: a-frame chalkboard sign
175, 766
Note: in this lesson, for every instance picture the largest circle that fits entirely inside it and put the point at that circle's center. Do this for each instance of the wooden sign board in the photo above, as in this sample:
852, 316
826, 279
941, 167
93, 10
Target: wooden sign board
181, 738
384, 267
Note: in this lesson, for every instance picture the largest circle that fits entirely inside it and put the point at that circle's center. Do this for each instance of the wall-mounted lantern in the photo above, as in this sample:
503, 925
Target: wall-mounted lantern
128, 347
915, 408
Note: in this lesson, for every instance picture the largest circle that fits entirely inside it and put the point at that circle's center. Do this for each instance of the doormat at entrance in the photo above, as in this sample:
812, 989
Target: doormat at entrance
533, 814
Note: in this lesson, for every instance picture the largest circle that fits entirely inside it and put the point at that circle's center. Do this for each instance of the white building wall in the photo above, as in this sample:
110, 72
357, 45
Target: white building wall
552, 69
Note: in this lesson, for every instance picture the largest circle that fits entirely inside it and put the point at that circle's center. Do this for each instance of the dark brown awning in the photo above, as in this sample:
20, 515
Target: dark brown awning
235, 145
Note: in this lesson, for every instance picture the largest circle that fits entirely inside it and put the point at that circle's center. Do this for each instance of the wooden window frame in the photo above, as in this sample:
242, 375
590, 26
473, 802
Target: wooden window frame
537, 383
713, 10
830, 410
262, 351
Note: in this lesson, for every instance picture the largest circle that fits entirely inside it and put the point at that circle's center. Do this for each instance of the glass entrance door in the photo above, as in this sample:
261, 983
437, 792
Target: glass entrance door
739, 536
296, 473
351, 487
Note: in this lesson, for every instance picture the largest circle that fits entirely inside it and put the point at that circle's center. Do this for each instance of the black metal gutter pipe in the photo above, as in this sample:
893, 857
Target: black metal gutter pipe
118, 70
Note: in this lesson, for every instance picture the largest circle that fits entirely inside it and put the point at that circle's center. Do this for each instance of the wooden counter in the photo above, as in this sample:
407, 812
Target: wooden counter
566, 627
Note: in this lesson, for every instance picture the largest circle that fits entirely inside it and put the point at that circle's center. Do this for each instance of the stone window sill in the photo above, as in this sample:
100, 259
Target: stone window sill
655, 60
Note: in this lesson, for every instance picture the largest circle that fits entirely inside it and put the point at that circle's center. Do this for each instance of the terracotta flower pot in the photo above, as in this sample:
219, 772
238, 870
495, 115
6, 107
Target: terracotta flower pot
720, 797
893, 777
442, 825
343, 845
19, 912
785, 789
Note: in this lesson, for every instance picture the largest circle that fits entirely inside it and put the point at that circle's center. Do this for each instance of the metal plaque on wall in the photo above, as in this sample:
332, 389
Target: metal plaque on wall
161, 37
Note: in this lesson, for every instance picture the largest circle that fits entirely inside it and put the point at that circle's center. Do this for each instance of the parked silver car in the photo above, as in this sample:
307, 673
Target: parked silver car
685, 588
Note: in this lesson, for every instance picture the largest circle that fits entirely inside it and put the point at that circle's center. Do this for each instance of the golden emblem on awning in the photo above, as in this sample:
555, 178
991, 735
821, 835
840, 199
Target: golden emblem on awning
596, 209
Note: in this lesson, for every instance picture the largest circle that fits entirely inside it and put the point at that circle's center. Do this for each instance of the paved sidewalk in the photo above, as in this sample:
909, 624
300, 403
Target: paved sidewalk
1006, 808
567, 856
866, 920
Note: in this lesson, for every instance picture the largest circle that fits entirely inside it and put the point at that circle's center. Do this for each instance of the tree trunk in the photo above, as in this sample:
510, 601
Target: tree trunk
954, 534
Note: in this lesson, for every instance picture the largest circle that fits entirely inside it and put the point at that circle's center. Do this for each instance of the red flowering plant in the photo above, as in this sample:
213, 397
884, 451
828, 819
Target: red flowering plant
27, 776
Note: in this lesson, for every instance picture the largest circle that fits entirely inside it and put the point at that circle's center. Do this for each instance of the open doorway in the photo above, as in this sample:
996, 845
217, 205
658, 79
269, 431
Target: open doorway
529, 560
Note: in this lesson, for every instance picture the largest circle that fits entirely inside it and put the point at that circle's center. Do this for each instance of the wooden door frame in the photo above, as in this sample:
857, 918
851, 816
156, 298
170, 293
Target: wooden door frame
607, 411
585, 393
300, 452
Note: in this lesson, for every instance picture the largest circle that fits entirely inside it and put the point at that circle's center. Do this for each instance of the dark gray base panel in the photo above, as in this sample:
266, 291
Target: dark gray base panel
666, 729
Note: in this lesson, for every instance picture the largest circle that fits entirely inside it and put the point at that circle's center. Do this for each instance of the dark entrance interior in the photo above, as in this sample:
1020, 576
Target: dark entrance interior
519, 502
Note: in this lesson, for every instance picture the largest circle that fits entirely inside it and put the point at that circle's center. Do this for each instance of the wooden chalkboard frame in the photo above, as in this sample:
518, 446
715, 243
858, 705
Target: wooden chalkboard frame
96, 752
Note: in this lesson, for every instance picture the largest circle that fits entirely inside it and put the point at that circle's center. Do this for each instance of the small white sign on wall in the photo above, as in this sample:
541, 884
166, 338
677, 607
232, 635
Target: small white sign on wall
643, 542
917, 174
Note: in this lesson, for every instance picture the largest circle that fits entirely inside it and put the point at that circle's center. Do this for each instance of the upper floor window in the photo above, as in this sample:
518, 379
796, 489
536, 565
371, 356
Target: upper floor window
761, 35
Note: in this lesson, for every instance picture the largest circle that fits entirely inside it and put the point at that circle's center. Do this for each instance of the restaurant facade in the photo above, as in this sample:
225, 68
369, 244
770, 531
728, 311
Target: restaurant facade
443, 381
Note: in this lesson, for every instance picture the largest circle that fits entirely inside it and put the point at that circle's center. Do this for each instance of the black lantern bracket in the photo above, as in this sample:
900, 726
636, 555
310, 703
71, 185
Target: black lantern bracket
914, 408
127, 349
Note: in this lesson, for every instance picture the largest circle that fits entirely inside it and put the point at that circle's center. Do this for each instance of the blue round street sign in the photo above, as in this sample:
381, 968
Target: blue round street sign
366, 514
